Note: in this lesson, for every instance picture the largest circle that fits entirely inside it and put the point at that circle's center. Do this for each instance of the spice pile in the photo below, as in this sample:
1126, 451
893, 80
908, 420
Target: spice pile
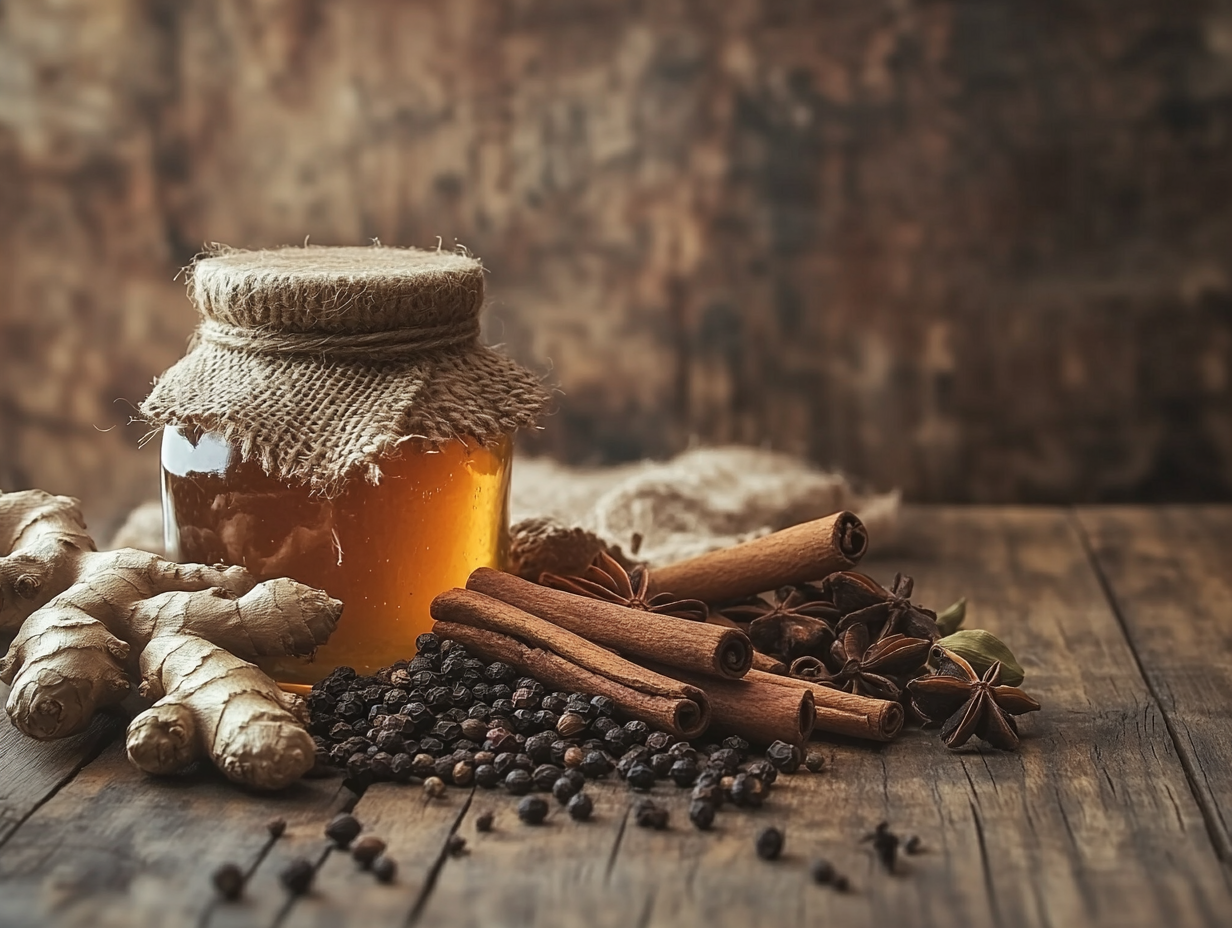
447, 718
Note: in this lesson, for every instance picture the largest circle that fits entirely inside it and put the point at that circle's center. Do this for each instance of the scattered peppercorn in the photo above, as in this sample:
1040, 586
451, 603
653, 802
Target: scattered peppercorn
815, 761
343, 829
455, 846
434, 787
366, 850
841, 883
484, 822
651, 815
580, 807
913, 845
297, 876
229, 881
564, 789
701, 814
785, 757
822, 871
641, 777
885, 845
518, 782
769, 843
276, 827
384, 869
532, 810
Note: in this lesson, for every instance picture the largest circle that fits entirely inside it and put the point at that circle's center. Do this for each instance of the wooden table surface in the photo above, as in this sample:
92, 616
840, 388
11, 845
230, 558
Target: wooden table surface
1116, 810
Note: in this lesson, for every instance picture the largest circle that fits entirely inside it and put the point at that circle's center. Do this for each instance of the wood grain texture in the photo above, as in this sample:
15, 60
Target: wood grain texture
32, 771
974, 249
1169, 573
118, 848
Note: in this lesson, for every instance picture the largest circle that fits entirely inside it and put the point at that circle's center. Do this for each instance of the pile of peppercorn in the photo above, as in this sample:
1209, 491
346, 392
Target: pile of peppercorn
445, 717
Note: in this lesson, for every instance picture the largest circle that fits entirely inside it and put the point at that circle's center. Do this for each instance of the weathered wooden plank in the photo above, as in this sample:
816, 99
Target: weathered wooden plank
1092, 821
31, 771
1169, 574
116, 847
415, 830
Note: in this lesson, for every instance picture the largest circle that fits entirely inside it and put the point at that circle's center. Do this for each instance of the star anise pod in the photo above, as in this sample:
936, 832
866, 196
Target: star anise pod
795, 623
863, 668
893, 615
967, 704
607, 580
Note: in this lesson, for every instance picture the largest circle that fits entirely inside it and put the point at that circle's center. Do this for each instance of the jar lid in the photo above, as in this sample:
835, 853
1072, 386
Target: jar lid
318, 362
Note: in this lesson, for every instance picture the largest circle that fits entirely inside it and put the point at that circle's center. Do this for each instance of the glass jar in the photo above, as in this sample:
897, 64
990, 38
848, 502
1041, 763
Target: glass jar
386, 550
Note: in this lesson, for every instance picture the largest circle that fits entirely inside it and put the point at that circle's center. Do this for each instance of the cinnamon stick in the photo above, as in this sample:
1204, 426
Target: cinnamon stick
699, 647
497, 631
758, 711
841, 713
767, 664
799, 554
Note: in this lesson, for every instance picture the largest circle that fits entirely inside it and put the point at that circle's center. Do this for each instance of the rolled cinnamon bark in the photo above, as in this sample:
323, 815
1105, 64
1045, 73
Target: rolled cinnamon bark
699, 647
758, 711
498, 631
842, 713
799, 554
767, 664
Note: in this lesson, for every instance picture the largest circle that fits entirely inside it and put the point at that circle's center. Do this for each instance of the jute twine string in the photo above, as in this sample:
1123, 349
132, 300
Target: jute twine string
319, 363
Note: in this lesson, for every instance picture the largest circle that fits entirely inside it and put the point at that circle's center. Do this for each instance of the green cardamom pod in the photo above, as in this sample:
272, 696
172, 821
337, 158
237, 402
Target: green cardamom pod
980, 648
951, 619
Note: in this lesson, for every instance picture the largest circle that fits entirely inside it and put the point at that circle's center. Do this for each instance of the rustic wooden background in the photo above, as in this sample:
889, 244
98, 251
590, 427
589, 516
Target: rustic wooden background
980, 250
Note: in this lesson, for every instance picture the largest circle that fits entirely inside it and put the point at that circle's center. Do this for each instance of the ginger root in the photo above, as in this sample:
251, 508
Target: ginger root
83, 624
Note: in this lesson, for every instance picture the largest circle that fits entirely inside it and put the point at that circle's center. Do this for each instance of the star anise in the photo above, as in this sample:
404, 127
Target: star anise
607, 580
967, 704
863, 668
794, 624
894, 614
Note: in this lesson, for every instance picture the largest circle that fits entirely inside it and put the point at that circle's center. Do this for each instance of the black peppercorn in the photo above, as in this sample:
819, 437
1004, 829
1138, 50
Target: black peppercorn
276, 827
554, 703
229, 881
455, 846
518, 782
602, 725
484, 822
785, 757
474, 729
885, 845
822, 872
913, 845
384, 869
532, 810
595, 764
764, 771
637, 731
498, 673
769, 843
564, 789
841, 883
431, 745
297, 876
343, 829
366, 850
747, 791
443, 768
725, 759
661, 764
683, 749
523, 761
683, 772
500, 740
659, 741
737, 744
545, 776
422, 765
701, 814
631, 757
504, 762
651, 815
539, 746
603, 705
618, 740
487, 776
580, 807
427, 643
641, 776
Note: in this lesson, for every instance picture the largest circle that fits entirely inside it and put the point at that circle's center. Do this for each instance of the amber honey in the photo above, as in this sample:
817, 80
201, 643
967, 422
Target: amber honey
385, 550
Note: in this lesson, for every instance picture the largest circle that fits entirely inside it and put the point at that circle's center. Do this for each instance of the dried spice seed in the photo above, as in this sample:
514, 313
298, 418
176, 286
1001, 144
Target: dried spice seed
683, 772
455, 846
769, 843
484, 822
384, 869
228, 880
297, 876
486, 776
968, 704
343, 829
885, 845
564, 789
545, 776
580, 807
913, 845
661, 764
815, 761
764, 771
841, 883
641, 776
366, 850
822, 872
701, 814
596, 764
434, 787
532, 810
785, 757
651, 815
518, 782
747, 791
276, 827
574, 757
463, 773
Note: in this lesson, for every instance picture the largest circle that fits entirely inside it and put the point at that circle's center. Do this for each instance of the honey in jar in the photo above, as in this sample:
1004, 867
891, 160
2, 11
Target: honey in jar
336, 421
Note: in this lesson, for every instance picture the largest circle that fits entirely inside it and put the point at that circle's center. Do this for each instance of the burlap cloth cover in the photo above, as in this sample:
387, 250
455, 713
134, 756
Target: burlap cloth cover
318, 362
